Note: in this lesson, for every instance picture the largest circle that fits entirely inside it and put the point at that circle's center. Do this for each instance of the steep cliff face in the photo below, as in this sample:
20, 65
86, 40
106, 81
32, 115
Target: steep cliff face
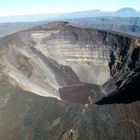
77, 48
124, 66
124, 86
78, 66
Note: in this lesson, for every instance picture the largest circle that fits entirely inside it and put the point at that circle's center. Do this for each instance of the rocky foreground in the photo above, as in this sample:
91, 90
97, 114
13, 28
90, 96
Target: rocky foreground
63, 82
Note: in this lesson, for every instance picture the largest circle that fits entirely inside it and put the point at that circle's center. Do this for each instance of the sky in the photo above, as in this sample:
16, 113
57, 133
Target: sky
25, 7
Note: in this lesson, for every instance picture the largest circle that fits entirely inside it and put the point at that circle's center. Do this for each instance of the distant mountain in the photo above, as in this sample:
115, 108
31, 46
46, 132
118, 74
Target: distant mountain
123, 12
83, 14
128, 12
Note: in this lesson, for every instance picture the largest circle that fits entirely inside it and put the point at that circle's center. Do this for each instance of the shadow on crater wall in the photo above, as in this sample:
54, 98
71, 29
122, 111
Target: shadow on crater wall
127, 94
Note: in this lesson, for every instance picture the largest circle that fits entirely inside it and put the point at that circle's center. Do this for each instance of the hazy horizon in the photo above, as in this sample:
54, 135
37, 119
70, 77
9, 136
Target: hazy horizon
30, 7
